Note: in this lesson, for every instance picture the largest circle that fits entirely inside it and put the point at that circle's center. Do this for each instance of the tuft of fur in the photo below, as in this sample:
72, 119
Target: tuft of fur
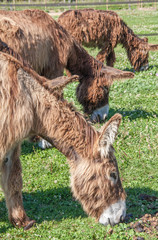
105, 29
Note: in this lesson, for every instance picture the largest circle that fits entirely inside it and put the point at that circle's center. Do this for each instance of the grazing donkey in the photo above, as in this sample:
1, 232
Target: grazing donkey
31, 104
48, 48
105, 29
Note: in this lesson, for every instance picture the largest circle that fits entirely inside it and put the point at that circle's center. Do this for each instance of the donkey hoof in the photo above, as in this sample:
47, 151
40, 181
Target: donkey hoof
29, 225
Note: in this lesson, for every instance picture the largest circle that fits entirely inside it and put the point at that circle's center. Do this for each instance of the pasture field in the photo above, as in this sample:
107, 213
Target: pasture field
46, 192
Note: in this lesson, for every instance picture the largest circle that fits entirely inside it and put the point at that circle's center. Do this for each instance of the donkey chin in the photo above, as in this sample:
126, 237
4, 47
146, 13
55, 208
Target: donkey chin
114, 214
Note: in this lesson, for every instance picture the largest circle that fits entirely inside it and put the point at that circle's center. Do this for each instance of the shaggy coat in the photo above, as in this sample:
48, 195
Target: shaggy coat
31, 105
48, 48
105, 29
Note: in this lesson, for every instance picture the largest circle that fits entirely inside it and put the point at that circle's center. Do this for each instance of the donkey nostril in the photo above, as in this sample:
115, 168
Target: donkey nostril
109, 222
98, 118
121, 218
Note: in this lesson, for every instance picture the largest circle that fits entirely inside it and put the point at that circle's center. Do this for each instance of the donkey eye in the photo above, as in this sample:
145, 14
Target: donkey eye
113, 176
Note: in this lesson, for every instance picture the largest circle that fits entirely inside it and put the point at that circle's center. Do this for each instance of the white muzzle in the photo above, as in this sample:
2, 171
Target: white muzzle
43, 144
113, 214
100, 114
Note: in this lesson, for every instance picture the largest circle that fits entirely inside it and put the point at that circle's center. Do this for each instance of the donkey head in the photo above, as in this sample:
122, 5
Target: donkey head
95, 181
93, 94
139, 54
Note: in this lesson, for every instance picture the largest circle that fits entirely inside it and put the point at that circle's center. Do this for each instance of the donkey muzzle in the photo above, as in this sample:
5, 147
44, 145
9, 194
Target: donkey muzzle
100, 114
114, 214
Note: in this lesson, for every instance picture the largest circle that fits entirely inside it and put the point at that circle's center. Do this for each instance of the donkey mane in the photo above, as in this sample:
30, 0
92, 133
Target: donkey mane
81, 127
89, 133
6, 49
21, 63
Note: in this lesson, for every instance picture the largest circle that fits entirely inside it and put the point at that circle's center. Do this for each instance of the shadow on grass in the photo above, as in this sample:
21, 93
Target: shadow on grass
58, 204
141, 201
128, 69
53, 204
133, 114
152, 66
49, 205
132, 69
28, 147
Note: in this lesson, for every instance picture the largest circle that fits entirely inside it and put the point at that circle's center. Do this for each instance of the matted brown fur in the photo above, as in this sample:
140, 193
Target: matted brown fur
48, 49
6, 49
105, 29
30, 106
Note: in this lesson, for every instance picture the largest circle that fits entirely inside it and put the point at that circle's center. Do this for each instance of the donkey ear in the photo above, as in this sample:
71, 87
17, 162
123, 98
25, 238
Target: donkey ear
115, 74
153, 47
60, 82
108, 134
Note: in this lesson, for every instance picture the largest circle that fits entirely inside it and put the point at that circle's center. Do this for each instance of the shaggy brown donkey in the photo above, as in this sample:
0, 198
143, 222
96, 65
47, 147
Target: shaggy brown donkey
31, 105
48, 48
105, 29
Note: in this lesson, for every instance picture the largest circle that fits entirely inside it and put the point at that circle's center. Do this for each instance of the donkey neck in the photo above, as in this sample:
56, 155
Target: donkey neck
58, 122
68, 131
82, 64
127, 37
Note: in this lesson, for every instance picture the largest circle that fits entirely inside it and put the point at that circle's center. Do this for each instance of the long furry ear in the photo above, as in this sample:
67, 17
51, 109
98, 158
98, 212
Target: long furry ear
108, 134
60, 82
153, 47
115, 74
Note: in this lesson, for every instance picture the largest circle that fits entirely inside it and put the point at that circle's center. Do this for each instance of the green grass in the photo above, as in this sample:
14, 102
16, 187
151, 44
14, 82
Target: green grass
70, 6
46, 193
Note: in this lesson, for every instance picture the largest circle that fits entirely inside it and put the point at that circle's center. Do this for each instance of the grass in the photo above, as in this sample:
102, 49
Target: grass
46, 193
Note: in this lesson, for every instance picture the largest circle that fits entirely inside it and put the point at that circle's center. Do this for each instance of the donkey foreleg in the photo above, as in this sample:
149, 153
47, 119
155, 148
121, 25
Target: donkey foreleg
101, 56
106, 54
110, 59
11, 181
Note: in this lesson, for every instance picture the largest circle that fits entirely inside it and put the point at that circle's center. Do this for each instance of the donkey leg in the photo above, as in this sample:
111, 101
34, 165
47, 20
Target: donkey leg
68, 73
11, 181
110, 59
101, 56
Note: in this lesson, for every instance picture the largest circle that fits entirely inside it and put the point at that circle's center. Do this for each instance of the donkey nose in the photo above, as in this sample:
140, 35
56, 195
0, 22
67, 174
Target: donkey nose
98, 117
100, 114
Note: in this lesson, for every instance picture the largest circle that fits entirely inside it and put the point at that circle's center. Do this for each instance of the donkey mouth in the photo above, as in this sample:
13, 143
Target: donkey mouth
144, 68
